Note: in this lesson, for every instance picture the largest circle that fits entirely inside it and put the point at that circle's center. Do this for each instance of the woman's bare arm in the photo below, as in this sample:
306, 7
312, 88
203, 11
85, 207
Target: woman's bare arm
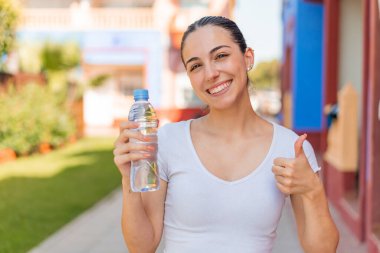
142, 218
142, 213
316, 229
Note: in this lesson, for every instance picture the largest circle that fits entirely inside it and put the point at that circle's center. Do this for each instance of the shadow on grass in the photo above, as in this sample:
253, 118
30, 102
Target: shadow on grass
33, 208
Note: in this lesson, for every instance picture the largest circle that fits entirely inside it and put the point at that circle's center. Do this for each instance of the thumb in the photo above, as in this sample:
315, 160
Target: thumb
298, 148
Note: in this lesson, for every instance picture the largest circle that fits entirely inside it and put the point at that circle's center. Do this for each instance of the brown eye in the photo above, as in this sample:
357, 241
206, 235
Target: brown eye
219, 56
195, 66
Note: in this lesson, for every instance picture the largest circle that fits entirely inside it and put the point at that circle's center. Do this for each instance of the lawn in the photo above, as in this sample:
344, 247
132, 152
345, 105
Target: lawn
40, 194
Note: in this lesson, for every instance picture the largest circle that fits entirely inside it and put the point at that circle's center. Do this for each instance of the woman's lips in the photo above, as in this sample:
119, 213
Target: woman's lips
218, 88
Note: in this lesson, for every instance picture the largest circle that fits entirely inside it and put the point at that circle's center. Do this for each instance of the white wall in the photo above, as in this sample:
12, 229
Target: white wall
351, 46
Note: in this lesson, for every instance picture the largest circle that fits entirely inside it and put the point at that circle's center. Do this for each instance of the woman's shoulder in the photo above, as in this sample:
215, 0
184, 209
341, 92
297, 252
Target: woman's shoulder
171, 135
285, 134
288, 137
173, 128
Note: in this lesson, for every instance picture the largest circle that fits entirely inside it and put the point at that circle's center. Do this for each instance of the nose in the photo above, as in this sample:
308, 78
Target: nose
211, 72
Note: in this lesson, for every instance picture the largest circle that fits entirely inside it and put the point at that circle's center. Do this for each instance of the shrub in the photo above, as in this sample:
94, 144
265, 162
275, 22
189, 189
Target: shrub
33, 115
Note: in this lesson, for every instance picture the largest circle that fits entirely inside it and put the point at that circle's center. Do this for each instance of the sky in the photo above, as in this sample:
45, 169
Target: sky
260, 22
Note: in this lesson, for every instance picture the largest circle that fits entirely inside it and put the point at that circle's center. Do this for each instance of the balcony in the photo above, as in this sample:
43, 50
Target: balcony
86, 19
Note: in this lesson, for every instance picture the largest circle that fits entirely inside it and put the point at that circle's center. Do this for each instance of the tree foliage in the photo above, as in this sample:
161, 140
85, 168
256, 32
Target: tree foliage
9, 14
265, 75
57, 60
60, 56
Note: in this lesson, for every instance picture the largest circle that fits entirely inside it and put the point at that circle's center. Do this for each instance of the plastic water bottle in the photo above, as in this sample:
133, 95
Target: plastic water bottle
144, 172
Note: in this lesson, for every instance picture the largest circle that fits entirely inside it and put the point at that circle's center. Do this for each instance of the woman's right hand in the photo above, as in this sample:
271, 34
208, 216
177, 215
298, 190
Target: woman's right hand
142, 214
125, 151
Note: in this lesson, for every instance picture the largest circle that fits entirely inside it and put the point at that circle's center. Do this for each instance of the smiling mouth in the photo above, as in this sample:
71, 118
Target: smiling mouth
219, 88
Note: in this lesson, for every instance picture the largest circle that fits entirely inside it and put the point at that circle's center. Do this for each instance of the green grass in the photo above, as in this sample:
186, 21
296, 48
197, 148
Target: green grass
40, 194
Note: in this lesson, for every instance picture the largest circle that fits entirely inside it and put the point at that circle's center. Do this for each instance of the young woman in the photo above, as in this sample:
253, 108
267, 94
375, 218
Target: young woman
224, 176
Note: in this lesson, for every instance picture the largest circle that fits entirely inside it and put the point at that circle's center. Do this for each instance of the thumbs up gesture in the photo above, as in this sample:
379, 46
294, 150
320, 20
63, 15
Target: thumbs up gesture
294, 175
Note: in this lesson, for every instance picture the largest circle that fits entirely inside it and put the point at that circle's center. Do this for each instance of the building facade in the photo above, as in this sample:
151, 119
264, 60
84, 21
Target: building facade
346, 82
135, 43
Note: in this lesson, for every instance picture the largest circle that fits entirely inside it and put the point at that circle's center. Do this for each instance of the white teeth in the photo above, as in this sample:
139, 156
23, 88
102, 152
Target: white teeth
219, 88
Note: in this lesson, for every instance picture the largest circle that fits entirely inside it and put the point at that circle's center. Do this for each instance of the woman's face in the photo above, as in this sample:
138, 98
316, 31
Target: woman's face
215, 65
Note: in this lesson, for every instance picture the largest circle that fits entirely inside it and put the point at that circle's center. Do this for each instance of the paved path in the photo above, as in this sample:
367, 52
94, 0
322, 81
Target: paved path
98, 231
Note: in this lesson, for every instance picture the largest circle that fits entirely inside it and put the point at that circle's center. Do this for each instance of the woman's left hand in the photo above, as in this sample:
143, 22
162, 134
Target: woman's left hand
294, 175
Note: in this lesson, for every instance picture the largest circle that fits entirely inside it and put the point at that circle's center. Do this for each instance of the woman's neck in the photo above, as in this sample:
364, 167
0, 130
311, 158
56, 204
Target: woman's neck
237, 120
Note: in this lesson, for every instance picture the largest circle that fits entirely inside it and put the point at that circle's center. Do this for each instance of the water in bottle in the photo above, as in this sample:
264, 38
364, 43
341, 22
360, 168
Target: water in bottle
144, 172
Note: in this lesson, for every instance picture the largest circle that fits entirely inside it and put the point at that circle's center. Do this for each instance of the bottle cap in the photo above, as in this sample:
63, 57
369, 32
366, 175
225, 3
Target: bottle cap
141, 94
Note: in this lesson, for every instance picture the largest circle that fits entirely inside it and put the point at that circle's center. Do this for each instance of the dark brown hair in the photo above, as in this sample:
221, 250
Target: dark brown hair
219, 21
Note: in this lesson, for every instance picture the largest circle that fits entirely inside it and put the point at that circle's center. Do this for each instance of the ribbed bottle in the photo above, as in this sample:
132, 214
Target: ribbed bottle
144, 172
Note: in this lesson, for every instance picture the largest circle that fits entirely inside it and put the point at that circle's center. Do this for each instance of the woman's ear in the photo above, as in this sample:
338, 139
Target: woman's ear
249, 56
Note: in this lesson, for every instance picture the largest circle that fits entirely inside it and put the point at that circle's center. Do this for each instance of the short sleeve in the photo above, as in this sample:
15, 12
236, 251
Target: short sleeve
162, 167
309, 152
161, 158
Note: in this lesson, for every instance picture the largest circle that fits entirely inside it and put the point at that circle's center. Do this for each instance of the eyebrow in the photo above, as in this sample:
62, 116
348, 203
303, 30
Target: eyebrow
211, 51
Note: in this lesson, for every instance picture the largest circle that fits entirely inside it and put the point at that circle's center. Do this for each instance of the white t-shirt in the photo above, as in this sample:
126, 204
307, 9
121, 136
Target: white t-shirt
204, 213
